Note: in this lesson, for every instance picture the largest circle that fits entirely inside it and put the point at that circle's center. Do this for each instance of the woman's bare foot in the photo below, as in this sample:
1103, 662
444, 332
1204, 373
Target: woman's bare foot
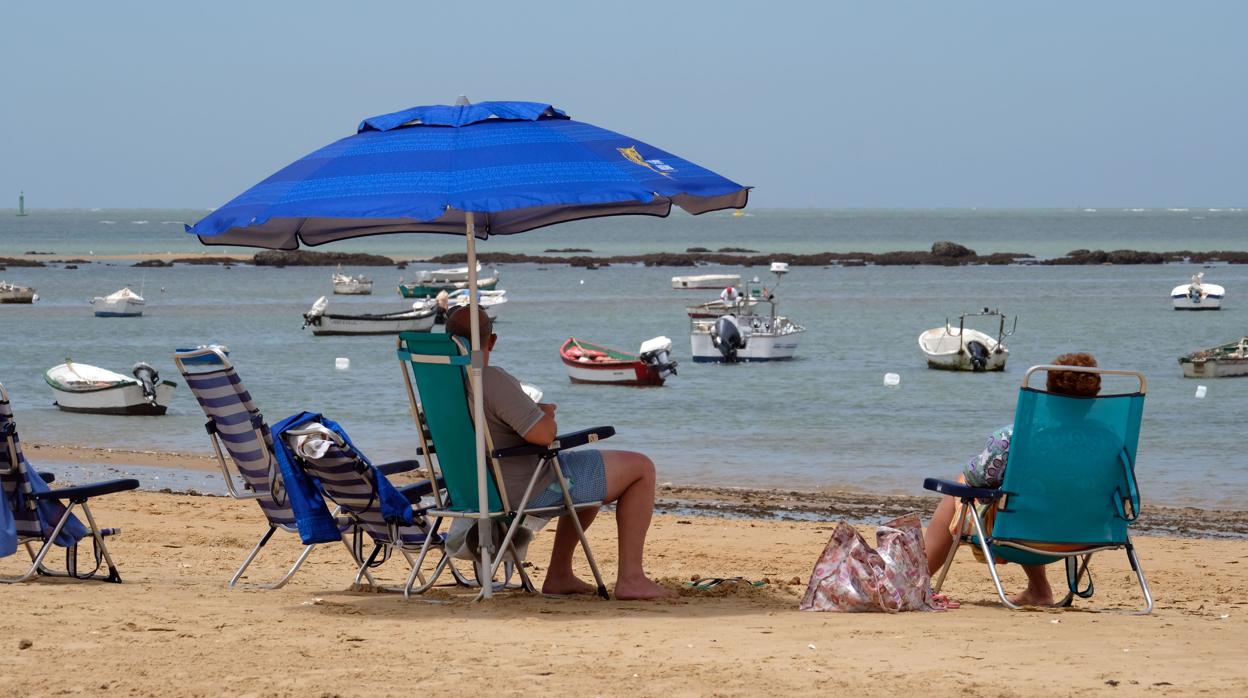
561, 586
637, 589
1033, 597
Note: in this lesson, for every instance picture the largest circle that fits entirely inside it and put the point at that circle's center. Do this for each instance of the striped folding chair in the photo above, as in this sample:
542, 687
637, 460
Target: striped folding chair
345, 477
40, 514
236, 427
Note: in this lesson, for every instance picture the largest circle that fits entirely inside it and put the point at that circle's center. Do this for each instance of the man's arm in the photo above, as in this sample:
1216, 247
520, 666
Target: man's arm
546, 429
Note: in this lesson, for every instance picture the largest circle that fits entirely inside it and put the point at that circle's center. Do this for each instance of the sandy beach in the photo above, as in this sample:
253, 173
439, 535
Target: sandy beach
173, 628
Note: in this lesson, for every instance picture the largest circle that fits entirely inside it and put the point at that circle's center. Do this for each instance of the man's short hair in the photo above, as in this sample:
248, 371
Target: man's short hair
459, 323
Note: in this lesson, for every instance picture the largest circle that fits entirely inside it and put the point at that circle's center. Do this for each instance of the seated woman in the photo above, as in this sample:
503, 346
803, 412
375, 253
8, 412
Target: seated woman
988, 470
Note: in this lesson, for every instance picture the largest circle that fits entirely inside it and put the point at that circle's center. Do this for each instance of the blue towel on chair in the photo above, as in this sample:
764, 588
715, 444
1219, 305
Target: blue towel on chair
311, 514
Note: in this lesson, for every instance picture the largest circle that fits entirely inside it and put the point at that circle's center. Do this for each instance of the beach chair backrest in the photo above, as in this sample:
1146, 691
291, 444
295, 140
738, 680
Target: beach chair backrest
14, 471
435, 369
1071, 471
347, 480
241, 428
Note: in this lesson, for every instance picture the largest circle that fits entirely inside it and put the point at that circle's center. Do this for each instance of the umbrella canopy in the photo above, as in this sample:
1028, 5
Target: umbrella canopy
515, 165
491, 168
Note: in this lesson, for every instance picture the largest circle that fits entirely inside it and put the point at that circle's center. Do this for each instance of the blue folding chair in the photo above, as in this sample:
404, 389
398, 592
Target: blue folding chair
39, 514
1069, 489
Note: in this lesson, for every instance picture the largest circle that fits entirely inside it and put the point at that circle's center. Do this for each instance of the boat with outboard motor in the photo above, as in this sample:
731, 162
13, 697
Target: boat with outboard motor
586, 362
419, 318
1223, 361
123, 303
347, 285
1197, 295
745, 335
967, 349
85, 388
12, 293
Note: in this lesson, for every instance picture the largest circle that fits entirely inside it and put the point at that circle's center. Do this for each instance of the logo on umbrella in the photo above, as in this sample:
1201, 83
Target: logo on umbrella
658, 166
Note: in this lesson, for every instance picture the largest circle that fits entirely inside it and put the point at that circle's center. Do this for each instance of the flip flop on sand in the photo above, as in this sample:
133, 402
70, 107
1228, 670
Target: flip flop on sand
944, 602
712, 582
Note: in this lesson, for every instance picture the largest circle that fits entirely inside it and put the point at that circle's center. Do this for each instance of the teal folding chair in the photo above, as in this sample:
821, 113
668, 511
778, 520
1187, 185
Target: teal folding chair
435, 373
1069, 489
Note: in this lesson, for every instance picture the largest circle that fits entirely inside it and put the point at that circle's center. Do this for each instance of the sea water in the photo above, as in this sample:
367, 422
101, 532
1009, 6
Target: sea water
823, 420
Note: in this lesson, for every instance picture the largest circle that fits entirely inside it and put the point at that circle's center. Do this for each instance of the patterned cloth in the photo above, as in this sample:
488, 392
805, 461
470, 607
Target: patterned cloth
987, 469
851, 577
586, 476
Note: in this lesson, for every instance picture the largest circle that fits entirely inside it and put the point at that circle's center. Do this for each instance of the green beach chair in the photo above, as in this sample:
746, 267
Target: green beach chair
435, 371
1069, 489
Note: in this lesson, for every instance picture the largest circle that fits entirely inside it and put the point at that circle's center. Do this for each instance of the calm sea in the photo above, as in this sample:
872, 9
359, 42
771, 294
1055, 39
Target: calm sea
823, 420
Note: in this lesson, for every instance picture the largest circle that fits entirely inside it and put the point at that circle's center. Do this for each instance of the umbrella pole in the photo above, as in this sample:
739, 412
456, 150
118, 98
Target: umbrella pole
478, 413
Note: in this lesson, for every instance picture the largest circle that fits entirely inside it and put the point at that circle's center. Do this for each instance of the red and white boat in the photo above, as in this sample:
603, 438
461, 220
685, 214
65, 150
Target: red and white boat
593, 363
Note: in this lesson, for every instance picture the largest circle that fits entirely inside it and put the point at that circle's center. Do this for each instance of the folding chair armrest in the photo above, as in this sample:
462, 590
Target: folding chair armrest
961, 490
561, 443
398, 466
84, 492
48, 477
416, 490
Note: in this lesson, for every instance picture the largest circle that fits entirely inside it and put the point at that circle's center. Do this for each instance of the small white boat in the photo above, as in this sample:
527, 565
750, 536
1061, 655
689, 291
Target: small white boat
745, 335
432, 277
123, 303
594, 363
1197, 295
966, 349
489, 301
681, 283
1223, 361
86, 388
423, 289
419, 318
12, 293
347, 285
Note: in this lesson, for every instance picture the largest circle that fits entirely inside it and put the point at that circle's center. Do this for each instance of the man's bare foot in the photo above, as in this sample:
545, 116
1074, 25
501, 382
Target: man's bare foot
1033, 597
562, 586
637, 589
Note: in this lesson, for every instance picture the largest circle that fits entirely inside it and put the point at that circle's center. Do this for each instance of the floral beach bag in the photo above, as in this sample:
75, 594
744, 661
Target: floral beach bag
851, 577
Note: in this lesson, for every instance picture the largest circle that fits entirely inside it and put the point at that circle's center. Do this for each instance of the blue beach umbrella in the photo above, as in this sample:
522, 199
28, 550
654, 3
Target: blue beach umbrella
491, 168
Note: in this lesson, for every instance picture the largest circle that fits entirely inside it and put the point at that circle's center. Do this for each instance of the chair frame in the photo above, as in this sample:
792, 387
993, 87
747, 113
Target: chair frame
245, 492
77, 497
1076, 561
513, 516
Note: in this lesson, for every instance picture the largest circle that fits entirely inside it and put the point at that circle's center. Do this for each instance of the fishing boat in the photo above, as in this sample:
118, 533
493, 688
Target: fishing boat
745, 335
681, 283
123, 303
586, 362
966, 349
1222, 361
419, 318
430, 289
441, 276
85, 388
347, 285
12, 293
207, 357
1197, 295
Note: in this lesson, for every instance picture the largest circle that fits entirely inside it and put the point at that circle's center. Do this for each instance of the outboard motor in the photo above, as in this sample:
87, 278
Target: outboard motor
726, 336
657, 352
979, 355
148, 378
313, 316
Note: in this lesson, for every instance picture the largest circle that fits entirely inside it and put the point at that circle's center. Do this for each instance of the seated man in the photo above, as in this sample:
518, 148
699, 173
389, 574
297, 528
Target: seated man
623, 477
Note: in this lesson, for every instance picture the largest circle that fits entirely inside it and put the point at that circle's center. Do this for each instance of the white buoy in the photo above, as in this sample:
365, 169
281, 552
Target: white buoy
1201, 391
342, 363
892, 380
582, 282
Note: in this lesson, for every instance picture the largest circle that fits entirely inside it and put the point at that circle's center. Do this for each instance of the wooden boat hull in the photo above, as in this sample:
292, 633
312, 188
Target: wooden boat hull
606, 370
19, 296
394, 323
1215, 368
353, 289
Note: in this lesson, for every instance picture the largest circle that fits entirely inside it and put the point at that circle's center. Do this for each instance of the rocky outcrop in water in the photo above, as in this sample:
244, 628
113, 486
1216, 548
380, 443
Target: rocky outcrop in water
304, 258
19, 262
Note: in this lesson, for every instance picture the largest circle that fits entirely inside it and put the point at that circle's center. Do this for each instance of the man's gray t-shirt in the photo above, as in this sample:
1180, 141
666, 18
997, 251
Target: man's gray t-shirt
510, 414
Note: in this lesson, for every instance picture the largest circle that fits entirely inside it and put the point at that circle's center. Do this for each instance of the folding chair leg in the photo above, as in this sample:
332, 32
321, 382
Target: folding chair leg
1139, 573
99, 541
580, 531
953, 549
355, 556
256, 551
37, 564
992, 563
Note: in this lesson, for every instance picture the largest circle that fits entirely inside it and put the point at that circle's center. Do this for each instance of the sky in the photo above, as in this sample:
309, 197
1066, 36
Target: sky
820, 103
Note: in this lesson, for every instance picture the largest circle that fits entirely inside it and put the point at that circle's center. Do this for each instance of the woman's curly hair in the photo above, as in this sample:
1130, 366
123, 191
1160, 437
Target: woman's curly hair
1071, 382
